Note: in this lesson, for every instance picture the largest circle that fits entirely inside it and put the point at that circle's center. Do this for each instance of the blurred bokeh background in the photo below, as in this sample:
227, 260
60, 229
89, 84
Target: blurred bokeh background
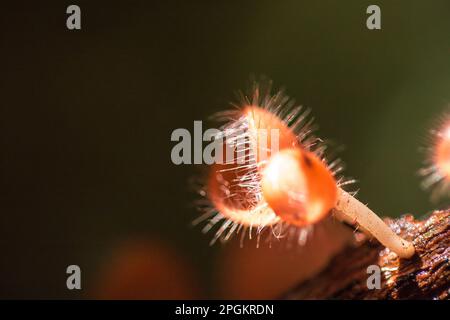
87, 117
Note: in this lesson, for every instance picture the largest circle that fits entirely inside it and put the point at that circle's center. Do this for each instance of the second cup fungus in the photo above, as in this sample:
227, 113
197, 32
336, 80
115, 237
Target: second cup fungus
436, 172
282, 178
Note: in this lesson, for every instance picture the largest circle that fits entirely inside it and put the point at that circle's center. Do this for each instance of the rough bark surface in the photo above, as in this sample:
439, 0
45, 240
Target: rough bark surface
425, 276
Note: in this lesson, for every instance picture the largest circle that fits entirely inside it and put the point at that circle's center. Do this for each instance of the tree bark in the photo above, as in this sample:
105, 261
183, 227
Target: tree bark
425, 276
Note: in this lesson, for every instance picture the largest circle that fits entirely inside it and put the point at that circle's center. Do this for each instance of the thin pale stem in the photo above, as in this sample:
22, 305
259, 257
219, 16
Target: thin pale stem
352, 211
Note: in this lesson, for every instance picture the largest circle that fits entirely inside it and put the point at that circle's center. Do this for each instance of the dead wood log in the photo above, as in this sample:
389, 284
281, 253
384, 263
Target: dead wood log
425, 276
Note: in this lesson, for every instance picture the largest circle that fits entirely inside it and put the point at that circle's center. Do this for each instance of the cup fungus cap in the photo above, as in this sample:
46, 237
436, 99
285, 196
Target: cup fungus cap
235, 189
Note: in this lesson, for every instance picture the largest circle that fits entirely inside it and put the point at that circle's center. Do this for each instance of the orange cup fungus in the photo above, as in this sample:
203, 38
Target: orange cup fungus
276, 175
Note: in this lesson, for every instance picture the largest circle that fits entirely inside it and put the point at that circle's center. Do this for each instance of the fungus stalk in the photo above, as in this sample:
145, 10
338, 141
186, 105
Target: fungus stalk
352, 211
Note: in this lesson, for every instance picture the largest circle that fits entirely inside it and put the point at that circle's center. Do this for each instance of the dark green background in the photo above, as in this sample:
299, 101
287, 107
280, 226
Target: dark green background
87, 115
